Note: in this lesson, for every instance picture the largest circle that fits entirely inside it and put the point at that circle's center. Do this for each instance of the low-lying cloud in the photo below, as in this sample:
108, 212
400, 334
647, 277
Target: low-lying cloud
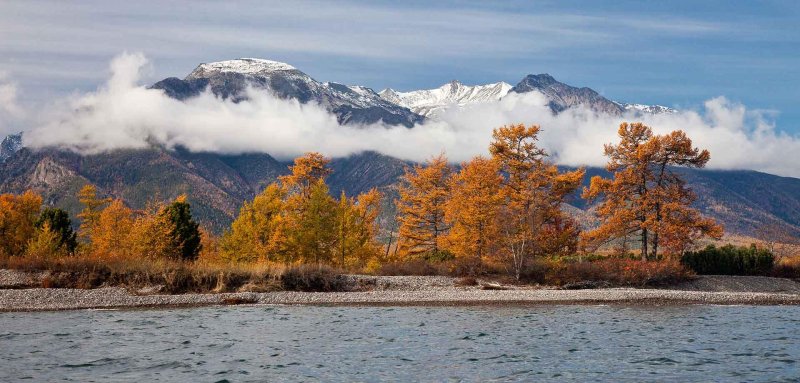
125, 114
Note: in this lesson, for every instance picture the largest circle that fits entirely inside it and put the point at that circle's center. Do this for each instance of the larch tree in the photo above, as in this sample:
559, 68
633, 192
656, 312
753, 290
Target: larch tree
18, 215
357, 229
310, 211
92, 206
645, 197
46, 242
533, 190
258, 232
473, 210
111, 232
306, 172
424, 191
312, 225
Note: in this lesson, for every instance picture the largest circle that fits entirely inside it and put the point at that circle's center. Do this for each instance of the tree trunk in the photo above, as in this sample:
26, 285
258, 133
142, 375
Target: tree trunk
644, 244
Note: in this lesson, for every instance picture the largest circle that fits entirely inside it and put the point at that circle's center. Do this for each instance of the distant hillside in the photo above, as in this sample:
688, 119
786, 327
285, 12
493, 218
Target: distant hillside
217, 184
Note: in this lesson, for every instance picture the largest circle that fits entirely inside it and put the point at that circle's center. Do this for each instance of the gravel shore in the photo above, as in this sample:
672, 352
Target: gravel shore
418, 291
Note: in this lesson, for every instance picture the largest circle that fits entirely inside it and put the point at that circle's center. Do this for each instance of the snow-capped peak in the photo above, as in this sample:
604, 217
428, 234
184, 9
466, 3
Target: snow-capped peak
428, 102
649, 109
246, 66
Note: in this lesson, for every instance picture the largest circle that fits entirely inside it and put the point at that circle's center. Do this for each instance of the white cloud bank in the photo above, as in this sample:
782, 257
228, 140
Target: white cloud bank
125, 114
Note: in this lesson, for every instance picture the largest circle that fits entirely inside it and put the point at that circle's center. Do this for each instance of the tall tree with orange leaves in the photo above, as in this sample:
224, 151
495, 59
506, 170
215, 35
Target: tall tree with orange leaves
645, 197
533, 190
472, 211
258, 232
306, 172
18, 215
357, 228
112, 230
92, 206
424, 190
310, 211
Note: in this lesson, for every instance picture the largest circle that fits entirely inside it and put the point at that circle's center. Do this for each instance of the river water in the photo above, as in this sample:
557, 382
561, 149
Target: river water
482, 343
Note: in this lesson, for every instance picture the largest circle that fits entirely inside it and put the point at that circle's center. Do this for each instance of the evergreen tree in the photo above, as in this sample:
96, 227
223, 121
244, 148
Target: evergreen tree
184, 229
58, 221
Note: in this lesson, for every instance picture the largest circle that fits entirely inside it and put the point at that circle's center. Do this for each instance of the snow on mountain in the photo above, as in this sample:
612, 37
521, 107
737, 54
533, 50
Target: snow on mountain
362, 105
429, 102
230, 79
10, 145
246, 66
647, 109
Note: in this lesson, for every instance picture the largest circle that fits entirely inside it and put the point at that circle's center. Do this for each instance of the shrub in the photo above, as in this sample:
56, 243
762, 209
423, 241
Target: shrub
411, 267
615, 272
787, 268
86, 272
730, 260
312, 278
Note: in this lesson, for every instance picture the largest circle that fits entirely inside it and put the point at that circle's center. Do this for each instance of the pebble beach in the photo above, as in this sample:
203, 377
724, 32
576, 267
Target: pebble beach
407, 290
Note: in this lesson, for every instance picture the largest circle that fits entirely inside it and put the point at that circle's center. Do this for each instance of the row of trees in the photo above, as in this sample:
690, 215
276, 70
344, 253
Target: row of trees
296, 220
108, 228
507, 208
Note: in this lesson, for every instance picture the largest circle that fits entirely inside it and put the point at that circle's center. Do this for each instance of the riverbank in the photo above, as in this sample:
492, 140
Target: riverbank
404, 291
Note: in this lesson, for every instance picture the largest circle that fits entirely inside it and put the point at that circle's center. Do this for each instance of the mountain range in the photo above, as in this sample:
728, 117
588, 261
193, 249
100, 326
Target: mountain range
217, 183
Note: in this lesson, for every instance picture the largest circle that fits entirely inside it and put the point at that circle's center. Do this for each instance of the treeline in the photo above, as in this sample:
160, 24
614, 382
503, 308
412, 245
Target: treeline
108, 229
502, 211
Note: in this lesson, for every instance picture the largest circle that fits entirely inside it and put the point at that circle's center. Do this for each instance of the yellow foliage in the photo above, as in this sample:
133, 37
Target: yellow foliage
110, 234
307, 171
151, 235
45, 243
357, 229
423, 193
473, 210
259, 230
18, 214
90, 215
533, 191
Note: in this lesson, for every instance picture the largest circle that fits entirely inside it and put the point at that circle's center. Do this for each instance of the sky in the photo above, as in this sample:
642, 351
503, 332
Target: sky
674, 53
76, 74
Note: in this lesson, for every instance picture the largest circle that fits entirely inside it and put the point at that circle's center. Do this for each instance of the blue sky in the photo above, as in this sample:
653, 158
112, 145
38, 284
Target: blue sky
675, 53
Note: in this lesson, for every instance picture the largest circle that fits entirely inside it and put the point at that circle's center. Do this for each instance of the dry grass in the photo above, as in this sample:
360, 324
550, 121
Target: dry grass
616, 272
86, 272
568, 272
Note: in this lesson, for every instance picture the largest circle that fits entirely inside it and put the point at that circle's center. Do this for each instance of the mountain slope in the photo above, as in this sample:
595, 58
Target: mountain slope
431, 102
230, 79
563, 96
743, 201
10, 145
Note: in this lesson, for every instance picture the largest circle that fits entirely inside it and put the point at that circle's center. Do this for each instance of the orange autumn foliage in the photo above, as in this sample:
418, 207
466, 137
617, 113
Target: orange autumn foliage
18, 214
533, 190
645, 198
424, 191
110, 233
473, 210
